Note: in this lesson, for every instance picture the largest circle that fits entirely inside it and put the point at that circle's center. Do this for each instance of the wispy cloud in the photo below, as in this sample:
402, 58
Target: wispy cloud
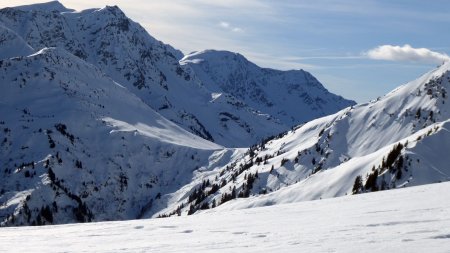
269, 60
329, 57
372, 8
227, 26
406, 53
233, 4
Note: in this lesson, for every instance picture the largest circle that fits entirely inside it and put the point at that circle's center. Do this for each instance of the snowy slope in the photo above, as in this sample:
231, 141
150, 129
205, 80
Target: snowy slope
293, 96
406, 220
150, 69
77, 146
12, 45
401, 139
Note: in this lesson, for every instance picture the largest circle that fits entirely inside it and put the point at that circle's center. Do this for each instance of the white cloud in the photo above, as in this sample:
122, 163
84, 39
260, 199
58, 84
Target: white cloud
227, 26
406, 53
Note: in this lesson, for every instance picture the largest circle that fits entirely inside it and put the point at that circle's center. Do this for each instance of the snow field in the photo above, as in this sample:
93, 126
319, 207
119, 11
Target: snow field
414, 219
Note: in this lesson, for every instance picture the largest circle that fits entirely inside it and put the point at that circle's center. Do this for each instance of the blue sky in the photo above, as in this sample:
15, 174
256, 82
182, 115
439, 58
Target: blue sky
360, 49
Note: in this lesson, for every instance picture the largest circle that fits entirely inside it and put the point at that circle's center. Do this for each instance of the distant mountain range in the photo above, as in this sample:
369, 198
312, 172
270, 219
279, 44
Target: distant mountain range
208, 104
100, 121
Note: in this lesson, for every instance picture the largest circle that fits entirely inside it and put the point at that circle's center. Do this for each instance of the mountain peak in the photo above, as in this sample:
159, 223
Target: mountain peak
48, 6
280, 93
114, 10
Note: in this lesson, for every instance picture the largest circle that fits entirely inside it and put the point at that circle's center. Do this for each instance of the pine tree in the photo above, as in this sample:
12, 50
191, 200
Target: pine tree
371, 182
357, 186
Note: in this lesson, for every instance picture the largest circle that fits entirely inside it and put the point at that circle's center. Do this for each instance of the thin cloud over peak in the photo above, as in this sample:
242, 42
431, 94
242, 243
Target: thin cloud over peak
406, 53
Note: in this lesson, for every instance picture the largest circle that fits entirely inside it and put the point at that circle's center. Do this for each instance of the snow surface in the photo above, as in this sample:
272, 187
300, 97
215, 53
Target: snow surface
413, 219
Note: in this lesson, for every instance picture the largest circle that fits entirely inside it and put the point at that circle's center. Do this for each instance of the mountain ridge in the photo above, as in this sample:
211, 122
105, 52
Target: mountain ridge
46, 6
267, 90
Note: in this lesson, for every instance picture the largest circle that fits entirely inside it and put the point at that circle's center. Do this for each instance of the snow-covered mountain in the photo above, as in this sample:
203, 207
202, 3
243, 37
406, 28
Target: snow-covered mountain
150, 69
401, 139
77, 146
293, 96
